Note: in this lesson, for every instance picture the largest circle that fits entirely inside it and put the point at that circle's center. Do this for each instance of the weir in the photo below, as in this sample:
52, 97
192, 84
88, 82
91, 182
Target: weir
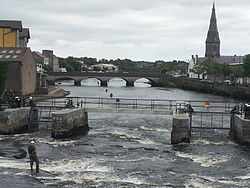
69, 116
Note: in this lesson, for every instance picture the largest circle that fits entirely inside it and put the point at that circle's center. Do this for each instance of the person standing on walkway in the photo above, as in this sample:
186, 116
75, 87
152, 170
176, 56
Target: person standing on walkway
33, 156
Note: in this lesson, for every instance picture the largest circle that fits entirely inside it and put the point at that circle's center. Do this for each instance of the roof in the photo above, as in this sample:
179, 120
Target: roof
38, 54
8, 54
48, 53
13, 24
231, 60
25, 33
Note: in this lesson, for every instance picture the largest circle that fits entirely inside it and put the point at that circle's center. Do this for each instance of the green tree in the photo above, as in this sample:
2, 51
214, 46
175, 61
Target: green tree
200, 69
47, 68
246, 66
237, 72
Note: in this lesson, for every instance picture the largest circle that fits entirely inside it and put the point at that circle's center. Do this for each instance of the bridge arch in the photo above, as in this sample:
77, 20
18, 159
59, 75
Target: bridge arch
76, 82
129, 77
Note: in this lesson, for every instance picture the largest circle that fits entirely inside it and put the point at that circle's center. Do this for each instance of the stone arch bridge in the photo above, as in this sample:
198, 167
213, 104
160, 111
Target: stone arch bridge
130, 77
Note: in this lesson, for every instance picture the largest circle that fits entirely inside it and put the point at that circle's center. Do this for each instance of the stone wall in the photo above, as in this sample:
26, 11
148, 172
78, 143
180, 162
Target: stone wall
69, 122
240, 129
180, 128
14, 120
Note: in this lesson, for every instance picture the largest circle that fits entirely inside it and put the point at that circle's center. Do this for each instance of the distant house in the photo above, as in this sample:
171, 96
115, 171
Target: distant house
53, 60
212, 53
62, 69
21, 75
24, 37
105, 67
12, 34
40, 60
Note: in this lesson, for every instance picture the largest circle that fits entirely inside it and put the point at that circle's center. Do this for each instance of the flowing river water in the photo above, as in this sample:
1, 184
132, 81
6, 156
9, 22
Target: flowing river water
128, 150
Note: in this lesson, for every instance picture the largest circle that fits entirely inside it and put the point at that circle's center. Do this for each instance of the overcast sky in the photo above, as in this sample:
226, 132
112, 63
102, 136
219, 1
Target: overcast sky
135, 29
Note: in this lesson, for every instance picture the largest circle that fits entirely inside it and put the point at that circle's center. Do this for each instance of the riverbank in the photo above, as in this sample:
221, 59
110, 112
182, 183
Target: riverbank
220, 89
53, 92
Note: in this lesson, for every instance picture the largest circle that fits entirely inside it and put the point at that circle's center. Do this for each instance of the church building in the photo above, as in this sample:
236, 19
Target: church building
212, 52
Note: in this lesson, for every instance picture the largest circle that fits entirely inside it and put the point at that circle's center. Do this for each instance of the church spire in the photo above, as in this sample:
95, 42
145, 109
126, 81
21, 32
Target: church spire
213, 40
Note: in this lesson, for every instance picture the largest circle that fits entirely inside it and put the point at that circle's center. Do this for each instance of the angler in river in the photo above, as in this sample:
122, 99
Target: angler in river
33, 156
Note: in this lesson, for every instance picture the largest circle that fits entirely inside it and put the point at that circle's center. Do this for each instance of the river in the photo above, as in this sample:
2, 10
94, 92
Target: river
129, 150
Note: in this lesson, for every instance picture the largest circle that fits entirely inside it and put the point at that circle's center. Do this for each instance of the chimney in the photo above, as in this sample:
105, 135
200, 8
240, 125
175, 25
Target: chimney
196, 58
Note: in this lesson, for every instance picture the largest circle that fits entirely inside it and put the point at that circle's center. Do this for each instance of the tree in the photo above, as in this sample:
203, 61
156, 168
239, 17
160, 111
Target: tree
246, 66
47, 68
237, 72
200, 69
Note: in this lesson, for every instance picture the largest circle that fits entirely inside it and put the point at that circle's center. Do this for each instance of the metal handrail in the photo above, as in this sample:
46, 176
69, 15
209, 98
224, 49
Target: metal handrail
133, 103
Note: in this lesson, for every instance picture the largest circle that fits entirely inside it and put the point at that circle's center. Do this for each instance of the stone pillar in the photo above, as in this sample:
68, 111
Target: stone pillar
69, 122
15, 120
232, 126
180, 129
33, 122
129, 84
242, 130
104, 83
77, 83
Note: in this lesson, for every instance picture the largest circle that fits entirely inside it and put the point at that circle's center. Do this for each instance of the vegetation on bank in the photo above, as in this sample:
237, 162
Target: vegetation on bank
217, 71
3, 71
221, 89
80, 64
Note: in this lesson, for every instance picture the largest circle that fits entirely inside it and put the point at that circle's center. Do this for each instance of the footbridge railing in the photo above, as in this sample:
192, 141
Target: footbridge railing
135, 104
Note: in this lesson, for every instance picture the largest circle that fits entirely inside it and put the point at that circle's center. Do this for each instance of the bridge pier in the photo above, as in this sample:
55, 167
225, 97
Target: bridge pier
240, 129
77, 83
156, 84
130, 84
104, 83
69, 122
52, 83
181, 128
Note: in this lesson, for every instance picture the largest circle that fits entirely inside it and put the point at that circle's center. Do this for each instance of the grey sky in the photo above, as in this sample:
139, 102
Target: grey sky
135, 29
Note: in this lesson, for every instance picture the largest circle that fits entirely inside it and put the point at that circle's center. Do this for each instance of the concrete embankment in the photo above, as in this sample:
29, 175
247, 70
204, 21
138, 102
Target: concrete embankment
69, 122
15, 120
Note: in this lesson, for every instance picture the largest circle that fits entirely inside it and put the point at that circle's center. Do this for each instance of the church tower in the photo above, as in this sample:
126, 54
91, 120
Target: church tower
213, 40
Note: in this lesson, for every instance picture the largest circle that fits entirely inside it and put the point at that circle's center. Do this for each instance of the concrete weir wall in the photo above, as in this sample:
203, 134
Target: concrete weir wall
69, 122
240, 129
14, 120
180, 128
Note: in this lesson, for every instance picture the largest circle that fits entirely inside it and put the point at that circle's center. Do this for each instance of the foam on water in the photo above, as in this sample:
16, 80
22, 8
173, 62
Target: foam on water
205, 161
217, 143
154, 129
147, 142
12, 163
85, 170
126, 135
206, 181
246, 177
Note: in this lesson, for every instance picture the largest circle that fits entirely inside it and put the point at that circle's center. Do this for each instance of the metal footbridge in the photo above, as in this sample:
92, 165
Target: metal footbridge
206, 115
